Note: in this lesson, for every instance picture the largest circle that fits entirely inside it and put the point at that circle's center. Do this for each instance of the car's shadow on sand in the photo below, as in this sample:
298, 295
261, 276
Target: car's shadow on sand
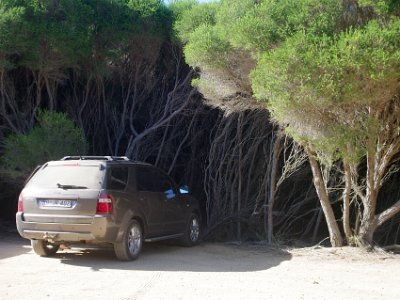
161, 256
206, 257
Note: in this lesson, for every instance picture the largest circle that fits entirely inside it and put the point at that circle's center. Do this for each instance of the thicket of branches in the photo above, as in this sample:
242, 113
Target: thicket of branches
114, 69
328, 72
118, 72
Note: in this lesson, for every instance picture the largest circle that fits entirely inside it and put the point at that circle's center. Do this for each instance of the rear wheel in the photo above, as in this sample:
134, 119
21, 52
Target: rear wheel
44, 248
192, 232
131, 244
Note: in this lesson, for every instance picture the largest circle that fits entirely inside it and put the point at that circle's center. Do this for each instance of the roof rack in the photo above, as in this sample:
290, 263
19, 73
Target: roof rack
108, 158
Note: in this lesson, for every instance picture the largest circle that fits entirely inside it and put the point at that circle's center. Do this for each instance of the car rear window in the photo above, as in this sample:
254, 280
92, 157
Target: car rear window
117, 178
89, 176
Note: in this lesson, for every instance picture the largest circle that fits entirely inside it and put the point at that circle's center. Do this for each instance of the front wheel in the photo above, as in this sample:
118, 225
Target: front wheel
192, 232
131, 244
44, 248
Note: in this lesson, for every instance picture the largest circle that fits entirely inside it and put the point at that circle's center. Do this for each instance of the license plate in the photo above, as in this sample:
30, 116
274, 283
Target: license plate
56, 203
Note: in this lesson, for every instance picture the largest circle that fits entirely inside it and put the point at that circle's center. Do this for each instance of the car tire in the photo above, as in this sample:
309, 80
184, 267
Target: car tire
192, 233
44, 248
131, 244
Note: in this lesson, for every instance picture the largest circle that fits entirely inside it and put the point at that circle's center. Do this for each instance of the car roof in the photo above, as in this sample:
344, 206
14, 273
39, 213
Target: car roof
95, 160
98, 157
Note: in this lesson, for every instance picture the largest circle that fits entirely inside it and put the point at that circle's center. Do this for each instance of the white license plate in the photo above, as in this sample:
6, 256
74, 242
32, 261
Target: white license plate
56, 203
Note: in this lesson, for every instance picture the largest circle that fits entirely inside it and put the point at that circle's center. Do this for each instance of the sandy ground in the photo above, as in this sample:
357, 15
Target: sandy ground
208, 271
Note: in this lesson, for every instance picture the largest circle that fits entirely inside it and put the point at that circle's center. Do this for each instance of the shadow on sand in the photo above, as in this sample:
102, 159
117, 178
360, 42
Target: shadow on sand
162, 256
13, 245
205, 257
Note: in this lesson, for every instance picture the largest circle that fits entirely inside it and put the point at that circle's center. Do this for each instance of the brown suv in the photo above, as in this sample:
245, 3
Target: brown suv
104, 200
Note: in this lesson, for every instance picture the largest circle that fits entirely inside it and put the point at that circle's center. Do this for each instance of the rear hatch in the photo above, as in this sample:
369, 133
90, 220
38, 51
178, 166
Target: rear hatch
63, 192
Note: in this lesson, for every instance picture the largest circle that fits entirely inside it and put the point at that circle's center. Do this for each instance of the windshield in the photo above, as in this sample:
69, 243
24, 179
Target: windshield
58, 176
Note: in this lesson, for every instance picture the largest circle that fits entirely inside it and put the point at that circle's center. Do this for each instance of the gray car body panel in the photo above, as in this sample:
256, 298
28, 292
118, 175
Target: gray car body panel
159, 216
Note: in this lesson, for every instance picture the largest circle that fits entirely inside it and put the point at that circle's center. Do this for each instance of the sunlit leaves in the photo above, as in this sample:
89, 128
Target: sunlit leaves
53, 137
322, 87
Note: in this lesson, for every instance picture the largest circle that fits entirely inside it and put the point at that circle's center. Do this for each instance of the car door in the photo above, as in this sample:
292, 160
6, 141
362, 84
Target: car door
172, 203
150, 200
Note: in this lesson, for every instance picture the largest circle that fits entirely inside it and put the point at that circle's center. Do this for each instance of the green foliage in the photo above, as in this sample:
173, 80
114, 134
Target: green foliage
250, 25
190, 16
382, 7
270, 22
51, 36
208, 47
328, 71
146, 8
320, 86
358, 65
42, 35
195, 25
315, 74
153, 17
54, 136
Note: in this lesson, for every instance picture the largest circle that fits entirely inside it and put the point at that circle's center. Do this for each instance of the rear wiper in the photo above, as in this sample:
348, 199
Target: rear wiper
69, 186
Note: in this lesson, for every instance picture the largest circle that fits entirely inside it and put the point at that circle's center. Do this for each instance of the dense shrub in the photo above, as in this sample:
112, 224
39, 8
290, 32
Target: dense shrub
54, 136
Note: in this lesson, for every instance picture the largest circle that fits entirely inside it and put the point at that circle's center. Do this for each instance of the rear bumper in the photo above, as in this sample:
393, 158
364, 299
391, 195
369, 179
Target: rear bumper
101, 229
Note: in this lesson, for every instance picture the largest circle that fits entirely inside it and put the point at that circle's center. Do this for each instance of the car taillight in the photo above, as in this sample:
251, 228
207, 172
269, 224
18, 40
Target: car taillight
104, 204
20, 203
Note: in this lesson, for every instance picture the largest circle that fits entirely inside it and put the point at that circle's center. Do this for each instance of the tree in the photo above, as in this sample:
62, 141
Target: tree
52, 44
338, 96
224, 39
54, 136
328, 72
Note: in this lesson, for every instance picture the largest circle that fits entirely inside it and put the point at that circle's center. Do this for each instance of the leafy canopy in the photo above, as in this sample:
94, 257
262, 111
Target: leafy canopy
320, 64
49, 36
219, 28
54, 136
320, 86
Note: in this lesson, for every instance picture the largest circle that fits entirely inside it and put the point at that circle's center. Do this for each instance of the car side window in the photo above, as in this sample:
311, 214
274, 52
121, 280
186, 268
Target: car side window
161, 183
152, 180
118, 178
144, 180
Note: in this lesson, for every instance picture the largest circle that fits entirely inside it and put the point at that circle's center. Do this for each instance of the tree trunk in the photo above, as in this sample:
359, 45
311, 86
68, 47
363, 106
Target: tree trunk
240, 154
368, 221
371, 222
367, 230
334, 232
346, 202
382, 149
278, 145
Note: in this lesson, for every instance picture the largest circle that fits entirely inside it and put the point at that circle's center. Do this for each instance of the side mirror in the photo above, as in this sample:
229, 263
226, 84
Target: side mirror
184, 189
169, 194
